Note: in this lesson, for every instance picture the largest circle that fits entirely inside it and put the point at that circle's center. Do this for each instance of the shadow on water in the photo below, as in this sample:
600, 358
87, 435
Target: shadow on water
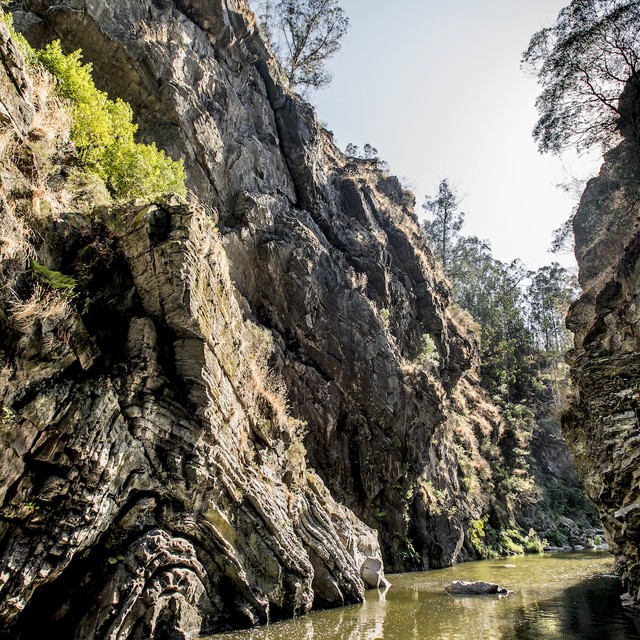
589, 610
552, 597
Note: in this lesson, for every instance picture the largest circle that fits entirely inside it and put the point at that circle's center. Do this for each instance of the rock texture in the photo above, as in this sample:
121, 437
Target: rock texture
602, 422
155, 482
324, 250
476, 588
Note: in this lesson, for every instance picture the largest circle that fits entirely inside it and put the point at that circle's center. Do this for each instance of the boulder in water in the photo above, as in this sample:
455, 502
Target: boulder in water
476, 588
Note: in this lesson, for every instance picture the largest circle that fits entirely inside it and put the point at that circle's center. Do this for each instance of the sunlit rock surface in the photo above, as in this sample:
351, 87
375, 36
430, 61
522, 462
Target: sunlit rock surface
155, 480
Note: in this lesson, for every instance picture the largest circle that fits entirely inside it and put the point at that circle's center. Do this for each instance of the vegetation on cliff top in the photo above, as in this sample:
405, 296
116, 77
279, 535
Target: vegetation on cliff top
103, 130
583, 63
303, 35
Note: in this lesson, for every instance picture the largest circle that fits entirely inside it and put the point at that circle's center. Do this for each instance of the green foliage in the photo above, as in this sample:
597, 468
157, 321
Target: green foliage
583, 63
551, 290
408, 553
20, 41
477, 535
7, 416
522, 327
54, 279
103, 133
446, 223
428, 354
490, 290
516, 542
385, 316
490, 543
103, 130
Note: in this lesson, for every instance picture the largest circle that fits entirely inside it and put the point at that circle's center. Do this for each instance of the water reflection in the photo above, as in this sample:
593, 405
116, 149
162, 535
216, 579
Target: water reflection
552, 597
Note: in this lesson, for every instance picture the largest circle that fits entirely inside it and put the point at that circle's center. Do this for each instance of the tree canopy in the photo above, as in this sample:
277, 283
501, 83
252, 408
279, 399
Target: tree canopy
583, 63
303, 34
446, 222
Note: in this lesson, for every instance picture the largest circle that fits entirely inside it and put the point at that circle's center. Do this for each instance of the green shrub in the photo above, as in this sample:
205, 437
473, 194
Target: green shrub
103, 130
19, 40
477, 535
407, 552
428, 351
103, 133
55, 279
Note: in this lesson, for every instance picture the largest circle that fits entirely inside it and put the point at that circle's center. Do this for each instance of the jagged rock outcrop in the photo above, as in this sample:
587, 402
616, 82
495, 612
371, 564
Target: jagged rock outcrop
325, 251
601, 424
153, 484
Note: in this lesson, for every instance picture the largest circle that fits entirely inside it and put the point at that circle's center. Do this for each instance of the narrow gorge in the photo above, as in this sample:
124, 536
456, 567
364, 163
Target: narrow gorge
259, 398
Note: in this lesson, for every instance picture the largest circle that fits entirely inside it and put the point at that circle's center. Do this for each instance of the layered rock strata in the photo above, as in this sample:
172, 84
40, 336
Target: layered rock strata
156, 477
325, 250
153, 484
602, 422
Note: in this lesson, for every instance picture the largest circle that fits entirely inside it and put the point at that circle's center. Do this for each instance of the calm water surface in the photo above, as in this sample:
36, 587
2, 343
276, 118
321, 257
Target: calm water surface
554, 597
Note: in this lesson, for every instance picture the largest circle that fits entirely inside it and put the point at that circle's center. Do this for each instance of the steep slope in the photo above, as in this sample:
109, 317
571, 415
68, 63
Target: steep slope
325, 251
152, 482
602, 422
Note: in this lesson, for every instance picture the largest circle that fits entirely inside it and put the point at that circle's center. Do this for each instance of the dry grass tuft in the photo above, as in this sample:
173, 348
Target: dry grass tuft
43, 305
14, 235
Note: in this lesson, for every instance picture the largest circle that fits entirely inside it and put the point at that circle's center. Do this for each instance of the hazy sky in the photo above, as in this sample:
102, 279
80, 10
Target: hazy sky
437, 88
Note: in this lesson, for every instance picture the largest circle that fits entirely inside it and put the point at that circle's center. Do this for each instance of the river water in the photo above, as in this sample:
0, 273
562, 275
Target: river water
569, 596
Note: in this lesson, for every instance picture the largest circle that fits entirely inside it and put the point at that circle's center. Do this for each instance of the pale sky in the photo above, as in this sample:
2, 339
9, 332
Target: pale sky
437, 88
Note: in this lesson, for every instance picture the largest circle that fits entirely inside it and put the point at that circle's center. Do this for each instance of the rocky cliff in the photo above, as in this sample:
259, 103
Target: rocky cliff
325, 251
153, 484
602, 421
158, 424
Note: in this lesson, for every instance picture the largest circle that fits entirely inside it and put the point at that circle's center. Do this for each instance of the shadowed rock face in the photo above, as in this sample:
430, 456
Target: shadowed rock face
602, 422
153, 484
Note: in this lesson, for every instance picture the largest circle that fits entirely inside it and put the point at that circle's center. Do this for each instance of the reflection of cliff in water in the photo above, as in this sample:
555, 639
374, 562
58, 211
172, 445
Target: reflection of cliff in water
552, 597
581, 612
367, 624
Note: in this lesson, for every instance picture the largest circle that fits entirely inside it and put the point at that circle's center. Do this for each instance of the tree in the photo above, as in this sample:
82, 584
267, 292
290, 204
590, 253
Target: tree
551, 291
584, 63
491, 291
304, 34
368, 151
447, 221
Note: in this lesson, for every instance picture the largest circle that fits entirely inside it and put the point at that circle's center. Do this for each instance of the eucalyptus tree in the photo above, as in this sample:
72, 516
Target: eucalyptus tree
304, 34
584, 63
446, 221
551, 290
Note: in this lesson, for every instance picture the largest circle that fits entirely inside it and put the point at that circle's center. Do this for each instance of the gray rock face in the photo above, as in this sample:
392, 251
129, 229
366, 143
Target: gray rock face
325, 251
602, 422
153, 484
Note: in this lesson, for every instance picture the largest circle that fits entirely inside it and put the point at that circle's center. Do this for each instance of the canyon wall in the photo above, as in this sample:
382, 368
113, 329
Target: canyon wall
244, 391
601, 424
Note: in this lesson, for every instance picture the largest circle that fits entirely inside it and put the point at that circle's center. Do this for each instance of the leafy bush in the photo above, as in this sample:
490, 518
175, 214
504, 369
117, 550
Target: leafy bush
103, 133
428, 351
103, 130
